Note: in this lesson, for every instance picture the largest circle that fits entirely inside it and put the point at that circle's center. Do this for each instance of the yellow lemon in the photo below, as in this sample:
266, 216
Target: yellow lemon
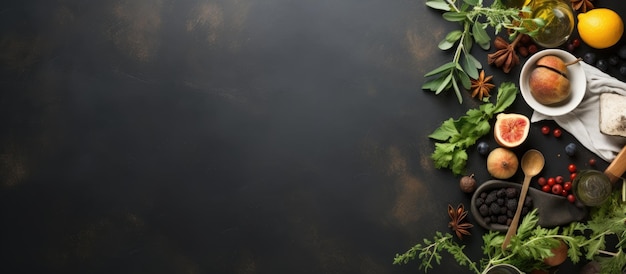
600, 28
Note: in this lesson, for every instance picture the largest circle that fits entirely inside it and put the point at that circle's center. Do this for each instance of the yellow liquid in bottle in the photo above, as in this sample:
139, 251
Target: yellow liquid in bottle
559, 22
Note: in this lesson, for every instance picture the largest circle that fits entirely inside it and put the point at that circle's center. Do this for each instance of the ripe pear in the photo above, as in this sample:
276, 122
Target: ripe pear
548, 81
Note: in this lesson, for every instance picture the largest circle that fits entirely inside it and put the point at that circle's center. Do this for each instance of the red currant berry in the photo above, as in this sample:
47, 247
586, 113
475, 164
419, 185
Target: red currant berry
564, 193
592, 162
559, 179
571, 168
571, 198
576, 42
551, 181
567, 186
542, 181
532, 49
572, 176
557, 189
557, 133
545, 130
546, 188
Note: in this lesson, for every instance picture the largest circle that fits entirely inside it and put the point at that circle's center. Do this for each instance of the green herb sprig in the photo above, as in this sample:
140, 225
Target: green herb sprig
469, 13
455, 136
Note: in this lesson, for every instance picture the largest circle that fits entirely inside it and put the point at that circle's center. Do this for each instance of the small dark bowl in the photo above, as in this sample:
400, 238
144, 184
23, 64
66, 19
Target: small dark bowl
552, 210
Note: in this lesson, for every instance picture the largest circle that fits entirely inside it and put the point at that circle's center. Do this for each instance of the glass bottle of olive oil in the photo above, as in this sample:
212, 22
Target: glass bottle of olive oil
558, 17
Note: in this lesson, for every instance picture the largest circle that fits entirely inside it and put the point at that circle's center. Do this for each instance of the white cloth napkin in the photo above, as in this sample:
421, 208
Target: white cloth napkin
584, 121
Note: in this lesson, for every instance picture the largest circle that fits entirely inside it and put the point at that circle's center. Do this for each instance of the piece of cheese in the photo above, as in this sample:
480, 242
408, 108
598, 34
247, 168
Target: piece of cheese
613, 114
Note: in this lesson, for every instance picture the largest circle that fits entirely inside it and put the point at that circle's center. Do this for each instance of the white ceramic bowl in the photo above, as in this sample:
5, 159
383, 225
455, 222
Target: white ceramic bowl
576, 75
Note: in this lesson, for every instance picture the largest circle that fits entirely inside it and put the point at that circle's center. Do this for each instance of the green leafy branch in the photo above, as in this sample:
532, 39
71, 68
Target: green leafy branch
457, 73
532, 243
455, 136
431, 250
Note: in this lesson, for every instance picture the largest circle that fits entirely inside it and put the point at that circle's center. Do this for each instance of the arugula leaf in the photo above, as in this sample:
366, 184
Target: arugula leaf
455, 136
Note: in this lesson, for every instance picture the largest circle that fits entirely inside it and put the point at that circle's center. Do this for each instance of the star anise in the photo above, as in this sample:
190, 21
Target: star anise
506, 56
458, 223
582, 5
481, 86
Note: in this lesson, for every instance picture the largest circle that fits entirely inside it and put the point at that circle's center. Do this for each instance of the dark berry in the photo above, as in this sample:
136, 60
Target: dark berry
484, 210
532, 49
483, 148
494, 208
523, 51
511, 204
622, 52
528, 202
589, 58
576, 42
570, 149
622, 69
602, 65
502, 219
571, 47
511, 192
614, 60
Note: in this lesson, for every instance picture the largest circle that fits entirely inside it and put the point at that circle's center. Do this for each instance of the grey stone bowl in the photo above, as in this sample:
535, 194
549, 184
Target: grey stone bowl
552, 210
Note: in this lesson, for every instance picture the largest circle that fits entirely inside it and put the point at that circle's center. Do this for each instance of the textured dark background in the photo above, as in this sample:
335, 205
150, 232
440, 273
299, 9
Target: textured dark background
240, 136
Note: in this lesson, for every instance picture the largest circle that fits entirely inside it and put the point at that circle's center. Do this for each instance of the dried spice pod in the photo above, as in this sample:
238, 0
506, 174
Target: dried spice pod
505, 58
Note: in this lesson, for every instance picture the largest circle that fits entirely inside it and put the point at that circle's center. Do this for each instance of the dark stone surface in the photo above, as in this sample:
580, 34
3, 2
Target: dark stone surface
237, 136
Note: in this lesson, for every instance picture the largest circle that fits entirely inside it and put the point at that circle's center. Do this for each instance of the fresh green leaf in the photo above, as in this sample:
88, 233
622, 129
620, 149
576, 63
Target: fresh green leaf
454, 36
444, 84
445, 131
464, 78
469, 67
457, 91
454, 16
507, 92
438, 5
480, 35
443, 68
445, 45
471, 2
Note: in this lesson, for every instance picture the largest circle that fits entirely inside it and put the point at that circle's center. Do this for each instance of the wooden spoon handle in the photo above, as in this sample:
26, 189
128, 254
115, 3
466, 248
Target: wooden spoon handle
617, 167
515, 222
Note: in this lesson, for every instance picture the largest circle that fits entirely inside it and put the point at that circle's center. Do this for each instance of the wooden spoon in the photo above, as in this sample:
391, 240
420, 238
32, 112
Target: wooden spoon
532, 164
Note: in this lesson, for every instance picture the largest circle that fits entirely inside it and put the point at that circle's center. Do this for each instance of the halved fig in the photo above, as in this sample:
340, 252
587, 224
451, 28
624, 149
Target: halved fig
511, 129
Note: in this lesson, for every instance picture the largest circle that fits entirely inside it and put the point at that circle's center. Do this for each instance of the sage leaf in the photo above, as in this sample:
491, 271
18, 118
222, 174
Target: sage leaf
454, 16
469, 67
432, 84
480, 35
454, 36
440, 69
438, 5
444, 84
445, 45
456, 89
465, 80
